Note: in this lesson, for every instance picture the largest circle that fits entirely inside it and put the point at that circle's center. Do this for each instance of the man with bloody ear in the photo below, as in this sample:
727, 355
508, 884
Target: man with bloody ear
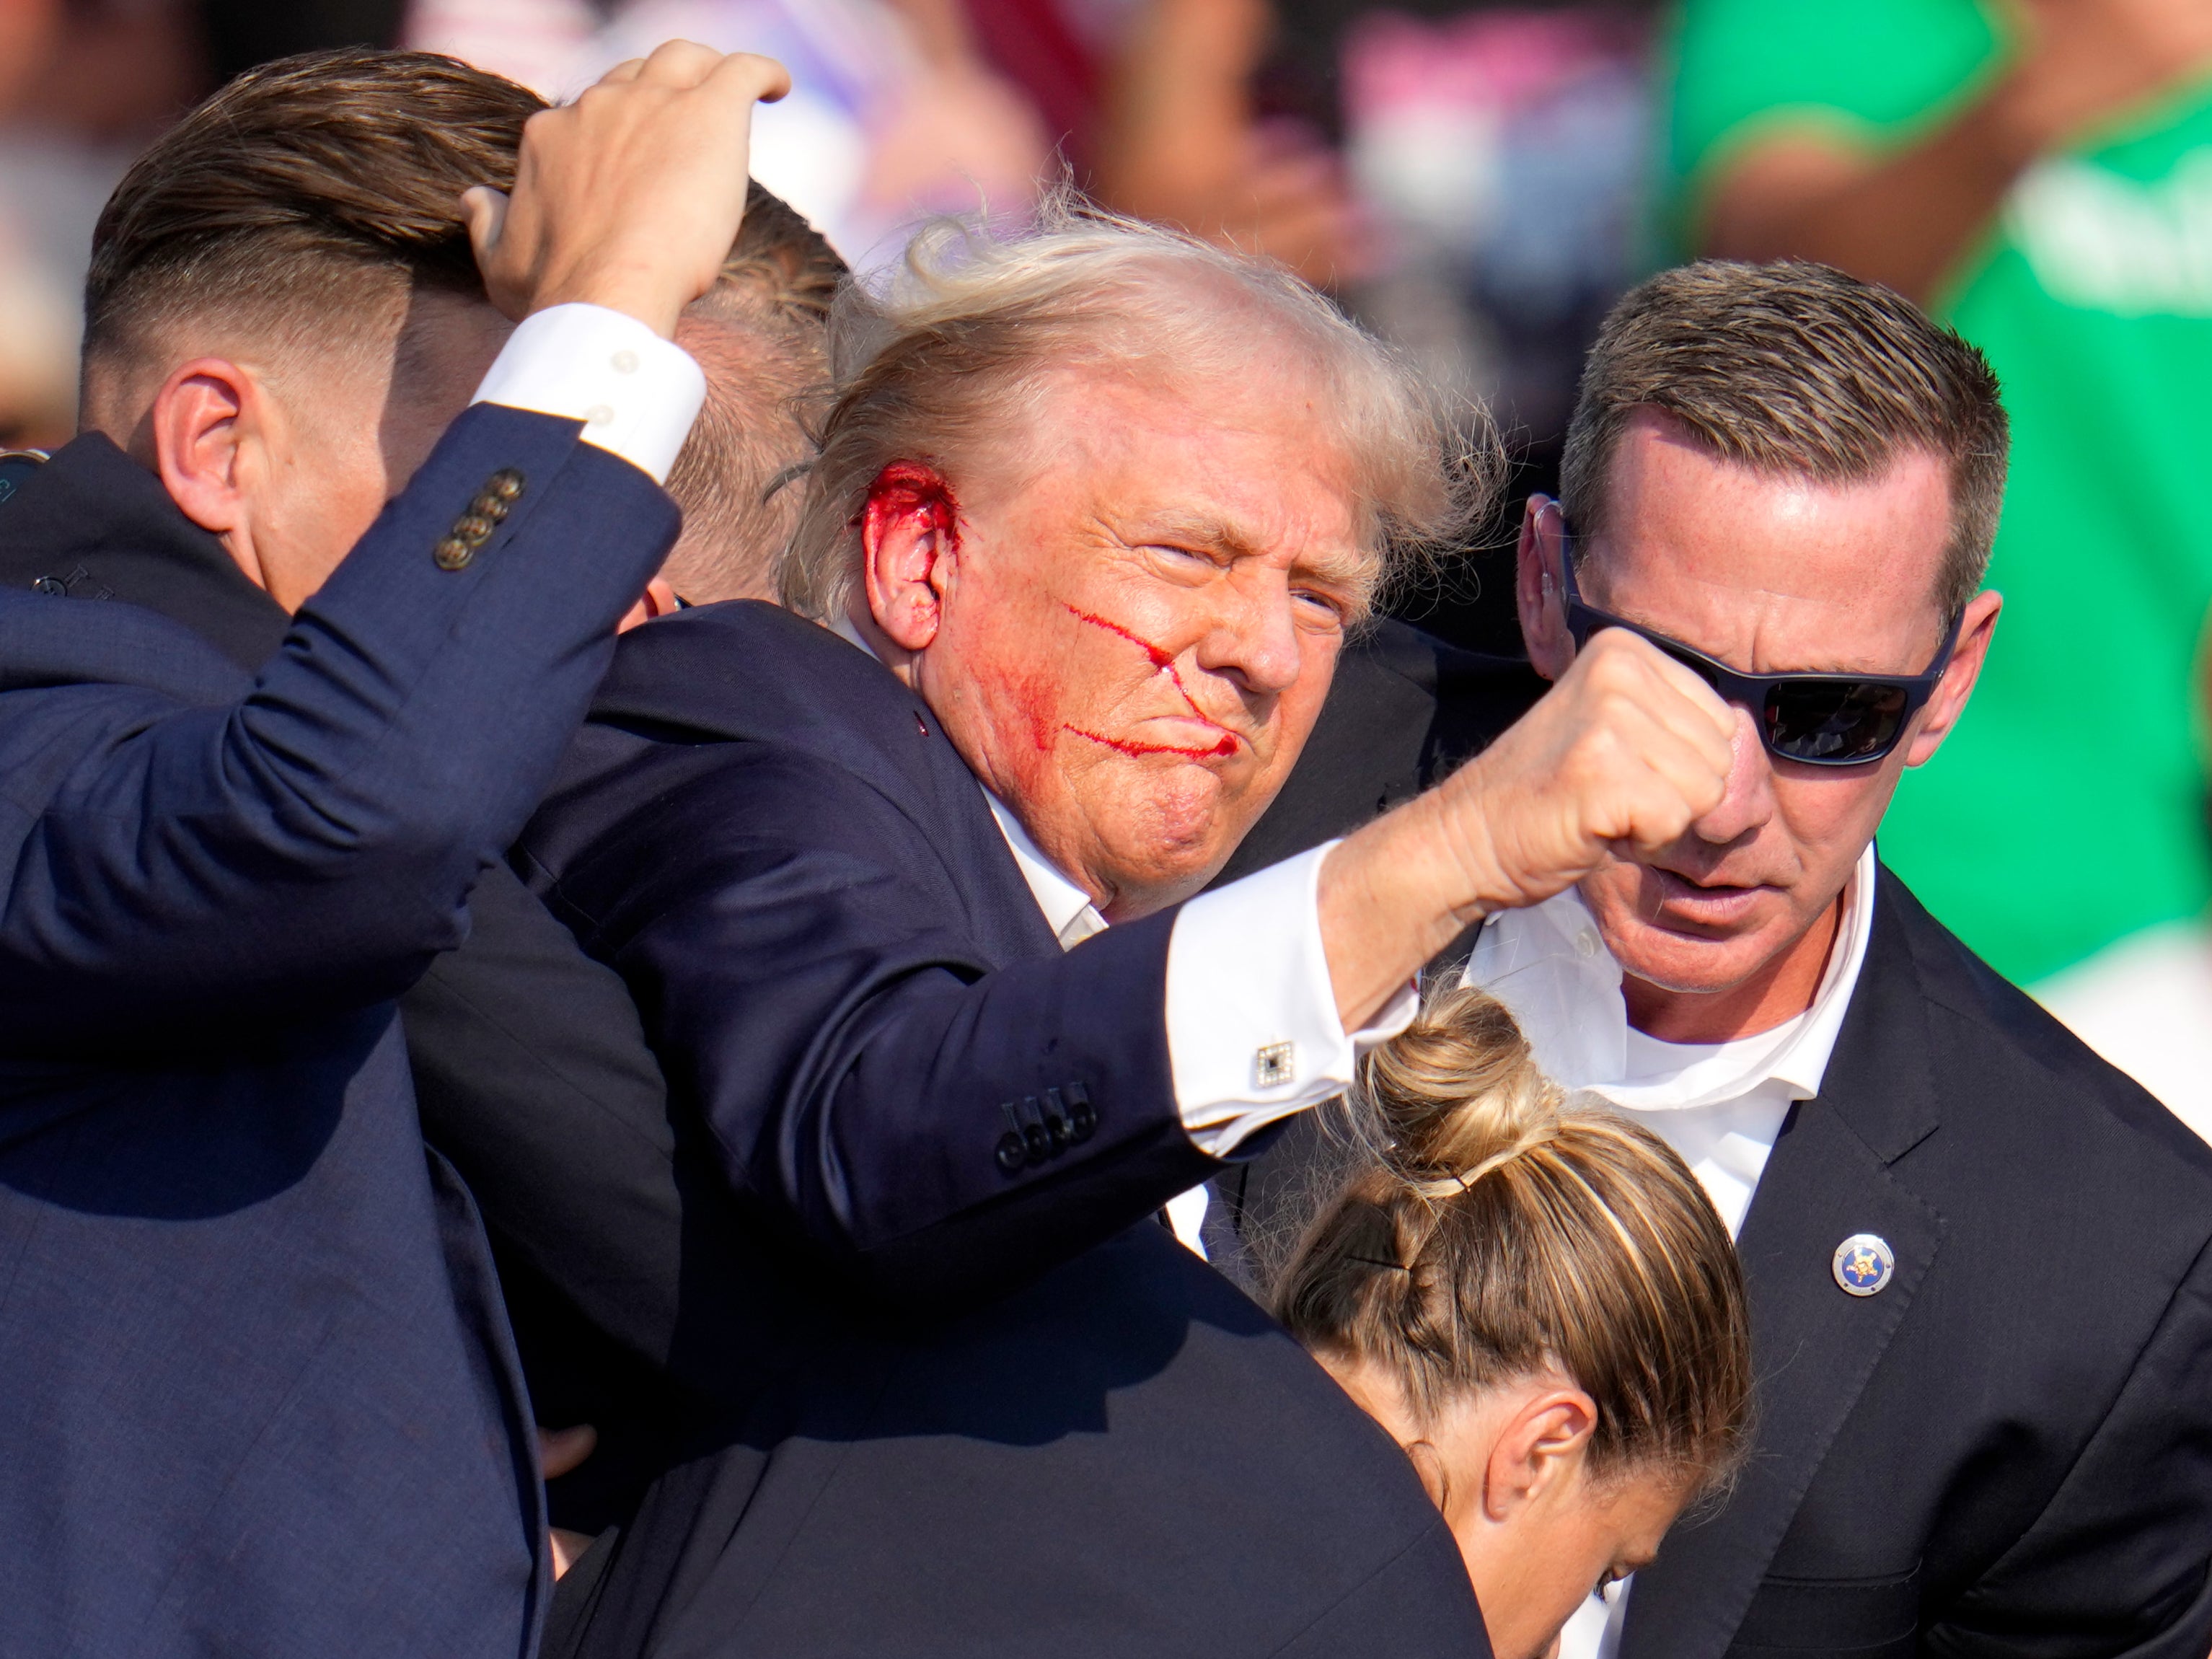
261, 1394
908, 897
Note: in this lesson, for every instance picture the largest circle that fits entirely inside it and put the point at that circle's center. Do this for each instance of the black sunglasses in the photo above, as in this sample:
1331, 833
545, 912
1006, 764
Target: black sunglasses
1815, 720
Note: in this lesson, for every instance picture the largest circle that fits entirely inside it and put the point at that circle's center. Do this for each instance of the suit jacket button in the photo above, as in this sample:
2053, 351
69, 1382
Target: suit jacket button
473, 528
505, 483
453, 554
1011, 1153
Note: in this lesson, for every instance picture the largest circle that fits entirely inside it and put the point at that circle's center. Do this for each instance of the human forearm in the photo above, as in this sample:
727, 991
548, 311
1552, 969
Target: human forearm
1907, 218
1907, 221
313, 841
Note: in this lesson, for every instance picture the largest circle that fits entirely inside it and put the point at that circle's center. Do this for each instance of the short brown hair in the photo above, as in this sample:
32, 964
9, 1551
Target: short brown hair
286, 192
1796, 369
1493, 1229
740, 476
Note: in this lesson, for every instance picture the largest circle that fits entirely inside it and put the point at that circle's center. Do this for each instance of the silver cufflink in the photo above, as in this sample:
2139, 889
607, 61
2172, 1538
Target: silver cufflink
1275, 1064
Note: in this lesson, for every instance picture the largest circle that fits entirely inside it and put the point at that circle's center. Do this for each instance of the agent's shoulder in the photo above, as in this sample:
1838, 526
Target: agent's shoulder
747, 670
2020, 1077
50, 644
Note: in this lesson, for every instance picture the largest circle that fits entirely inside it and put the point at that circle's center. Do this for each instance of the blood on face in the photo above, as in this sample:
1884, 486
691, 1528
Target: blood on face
1164, 662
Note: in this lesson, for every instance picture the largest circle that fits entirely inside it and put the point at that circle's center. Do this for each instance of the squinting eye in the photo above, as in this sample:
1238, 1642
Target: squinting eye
1331, 607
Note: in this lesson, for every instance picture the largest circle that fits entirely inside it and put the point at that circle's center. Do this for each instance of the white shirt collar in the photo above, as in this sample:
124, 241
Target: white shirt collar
1067, 908
1551, 968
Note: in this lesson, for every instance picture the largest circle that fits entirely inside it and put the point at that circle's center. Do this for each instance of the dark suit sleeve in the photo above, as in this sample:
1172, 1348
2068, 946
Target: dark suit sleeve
795, 946
311, 845
2116, 1564
533, 1077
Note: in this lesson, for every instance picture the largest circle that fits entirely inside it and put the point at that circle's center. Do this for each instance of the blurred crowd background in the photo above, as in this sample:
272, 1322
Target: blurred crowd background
1478, 181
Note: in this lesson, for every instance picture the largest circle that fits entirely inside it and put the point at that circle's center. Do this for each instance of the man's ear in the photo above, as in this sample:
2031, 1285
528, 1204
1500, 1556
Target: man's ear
908, 529
1977, 627
658, 600
199, 426
1541, 1446
1536, 591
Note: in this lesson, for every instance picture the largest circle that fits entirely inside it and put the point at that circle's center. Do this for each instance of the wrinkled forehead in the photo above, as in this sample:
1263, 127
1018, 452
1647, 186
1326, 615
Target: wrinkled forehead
1747, 562
1246, 463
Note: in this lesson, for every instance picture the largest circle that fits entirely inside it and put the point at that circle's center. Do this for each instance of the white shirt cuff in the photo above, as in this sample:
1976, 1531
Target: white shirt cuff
1253, 1032
636, 393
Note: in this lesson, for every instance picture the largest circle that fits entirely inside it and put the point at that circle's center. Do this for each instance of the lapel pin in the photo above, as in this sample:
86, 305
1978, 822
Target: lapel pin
1862, 1264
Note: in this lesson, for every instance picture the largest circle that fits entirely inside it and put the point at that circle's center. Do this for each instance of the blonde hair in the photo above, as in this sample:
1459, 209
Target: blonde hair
948, 352
1495, 1229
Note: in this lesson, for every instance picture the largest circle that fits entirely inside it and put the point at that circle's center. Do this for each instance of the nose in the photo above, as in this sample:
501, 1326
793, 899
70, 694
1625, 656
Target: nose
1254, 639
1748, 805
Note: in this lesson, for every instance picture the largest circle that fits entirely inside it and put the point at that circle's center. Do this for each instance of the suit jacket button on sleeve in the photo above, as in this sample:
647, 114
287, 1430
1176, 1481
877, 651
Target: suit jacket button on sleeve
506, 484
1012, 1154
1082, 1116
1033, 1130
453, 554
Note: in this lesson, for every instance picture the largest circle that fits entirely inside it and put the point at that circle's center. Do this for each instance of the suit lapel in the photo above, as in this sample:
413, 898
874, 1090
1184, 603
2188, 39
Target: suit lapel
1813, 1347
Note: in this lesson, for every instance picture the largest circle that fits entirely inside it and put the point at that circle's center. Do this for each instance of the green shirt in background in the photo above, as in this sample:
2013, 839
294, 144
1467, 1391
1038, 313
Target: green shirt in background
2067, 808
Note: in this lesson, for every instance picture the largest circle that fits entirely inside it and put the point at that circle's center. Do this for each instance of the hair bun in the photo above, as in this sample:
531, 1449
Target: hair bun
1457, 1093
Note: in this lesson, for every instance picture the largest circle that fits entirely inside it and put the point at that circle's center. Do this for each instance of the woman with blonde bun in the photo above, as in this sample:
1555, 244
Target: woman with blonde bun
1536, 1300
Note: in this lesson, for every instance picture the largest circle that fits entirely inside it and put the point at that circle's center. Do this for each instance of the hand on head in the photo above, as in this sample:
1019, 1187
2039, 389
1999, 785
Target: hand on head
630, 197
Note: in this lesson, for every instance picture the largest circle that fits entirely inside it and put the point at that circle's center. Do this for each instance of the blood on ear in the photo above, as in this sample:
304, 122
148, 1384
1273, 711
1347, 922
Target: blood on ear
914, 494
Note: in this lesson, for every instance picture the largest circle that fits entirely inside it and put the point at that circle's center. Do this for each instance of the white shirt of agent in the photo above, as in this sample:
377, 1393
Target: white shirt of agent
1253, 1032
1721, 1105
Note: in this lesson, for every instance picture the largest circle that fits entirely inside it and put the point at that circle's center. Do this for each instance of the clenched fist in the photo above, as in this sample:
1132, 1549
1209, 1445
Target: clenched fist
630, 197
1628, 749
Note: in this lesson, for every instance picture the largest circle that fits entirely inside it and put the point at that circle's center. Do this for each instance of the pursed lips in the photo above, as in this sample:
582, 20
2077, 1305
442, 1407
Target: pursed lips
1709, 903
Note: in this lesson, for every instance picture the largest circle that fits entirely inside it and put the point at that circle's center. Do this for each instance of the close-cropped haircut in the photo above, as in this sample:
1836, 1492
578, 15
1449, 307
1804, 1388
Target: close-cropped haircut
948, 353
1490, 1229
300, 187
1793, 369
740, 476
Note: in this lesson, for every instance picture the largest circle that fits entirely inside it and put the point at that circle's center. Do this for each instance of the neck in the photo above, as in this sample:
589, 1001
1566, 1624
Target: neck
1784, 988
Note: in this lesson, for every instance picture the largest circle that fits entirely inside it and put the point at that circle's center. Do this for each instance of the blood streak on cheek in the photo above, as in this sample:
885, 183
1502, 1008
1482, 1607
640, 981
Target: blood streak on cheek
1037, 701
1222, 749
907, 490
1164, 661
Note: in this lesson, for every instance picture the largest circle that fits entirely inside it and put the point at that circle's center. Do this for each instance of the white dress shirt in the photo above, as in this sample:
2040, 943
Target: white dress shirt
636, 393
1253, 1032
1719, 1104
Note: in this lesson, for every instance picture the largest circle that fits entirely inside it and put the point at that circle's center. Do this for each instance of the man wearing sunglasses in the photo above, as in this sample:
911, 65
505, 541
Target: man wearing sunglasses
1977, 1256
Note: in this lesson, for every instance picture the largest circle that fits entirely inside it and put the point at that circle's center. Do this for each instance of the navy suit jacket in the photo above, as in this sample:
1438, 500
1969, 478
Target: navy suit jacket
259, 1395
1124, 1459
837, 959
